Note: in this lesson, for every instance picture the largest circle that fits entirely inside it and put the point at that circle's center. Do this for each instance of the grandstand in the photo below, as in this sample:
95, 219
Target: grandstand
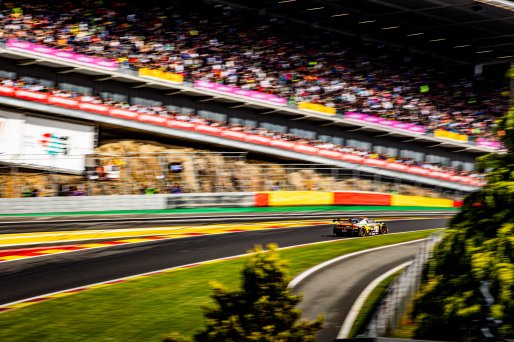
318, 112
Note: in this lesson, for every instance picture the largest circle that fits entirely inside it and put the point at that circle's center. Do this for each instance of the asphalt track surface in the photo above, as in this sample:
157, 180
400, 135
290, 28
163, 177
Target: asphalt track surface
333, 290
27, 278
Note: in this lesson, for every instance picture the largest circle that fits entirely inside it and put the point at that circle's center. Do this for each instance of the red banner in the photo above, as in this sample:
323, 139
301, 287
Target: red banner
124, 114
94, 107
375, 162
306, 149
7, 91
63, 101
181, 124
227, 133
208, 129
31, 95
154, 119
352, 158
329, 154
257, 139
288, 145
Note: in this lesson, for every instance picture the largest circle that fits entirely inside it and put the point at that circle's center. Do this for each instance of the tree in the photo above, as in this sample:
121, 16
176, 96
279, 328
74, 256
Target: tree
478, 247
263, 310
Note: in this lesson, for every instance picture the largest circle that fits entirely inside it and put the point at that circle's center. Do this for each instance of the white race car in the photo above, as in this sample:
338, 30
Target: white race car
359, 226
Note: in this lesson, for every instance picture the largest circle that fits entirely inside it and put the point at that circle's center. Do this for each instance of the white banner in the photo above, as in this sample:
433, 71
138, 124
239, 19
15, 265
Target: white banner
43, 142
10, 133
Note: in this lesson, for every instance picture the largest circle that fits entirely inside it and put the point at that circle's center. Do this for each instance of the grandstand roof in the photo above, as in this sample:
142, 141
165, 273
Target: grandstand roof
465, 31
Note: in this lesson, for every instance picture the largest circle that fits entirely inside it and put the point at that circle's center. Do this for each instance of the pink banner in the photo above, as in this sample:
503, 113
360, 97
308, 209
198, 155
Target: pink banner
67, 55
408, 127
489, 143
250, 94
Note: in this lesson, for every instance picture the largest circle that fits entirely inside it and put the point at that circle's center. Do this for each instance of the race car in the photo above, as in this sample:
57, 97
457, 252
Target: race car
359, 226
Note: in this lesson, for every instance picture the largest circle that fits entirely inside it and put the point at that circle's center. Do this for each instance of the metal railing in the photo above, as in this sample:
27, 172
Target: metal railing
393, 307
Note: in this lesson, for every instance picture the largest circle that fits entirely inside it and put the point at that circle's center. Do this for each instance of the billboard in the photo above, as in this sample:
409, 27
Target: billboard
44, 142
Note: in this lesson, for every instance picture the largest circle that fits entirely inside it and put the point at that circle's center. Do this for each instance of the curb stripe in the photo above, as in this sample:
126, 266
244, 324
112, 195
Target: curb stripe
29, 301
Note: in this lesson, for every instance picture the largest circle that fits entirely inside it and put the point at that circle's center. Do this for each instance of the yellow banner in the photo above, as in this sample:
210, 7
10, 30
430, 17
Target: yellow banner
418, 201
441, 133
159, 74
285, 198
317, 108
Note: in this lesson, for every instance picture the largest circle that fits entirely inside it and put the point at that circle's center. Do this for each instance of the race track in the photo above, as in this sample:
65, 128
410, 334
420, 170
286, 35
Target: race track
23, 279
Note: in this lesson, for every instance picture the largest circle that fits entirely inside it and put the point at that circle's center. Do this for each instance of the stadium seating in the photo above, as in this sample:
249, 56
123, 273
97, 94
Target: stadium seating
219, 44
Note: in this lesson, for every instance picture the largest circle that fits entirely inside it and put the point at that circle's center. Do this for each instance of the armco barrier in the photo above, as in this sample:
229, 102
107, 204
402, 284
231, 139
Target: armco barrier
403, 200
81, 203
210, 200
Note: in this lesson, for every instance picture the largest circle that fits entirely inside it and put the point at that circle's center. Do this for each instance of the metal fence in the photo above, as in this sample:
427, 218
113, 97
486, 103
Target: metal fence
400, 293
194, 172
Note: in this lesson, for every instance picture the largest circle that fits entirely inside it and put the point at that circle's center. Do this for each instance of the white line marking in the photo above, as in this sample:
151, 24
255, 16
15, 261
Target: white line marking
304, 275
357, 305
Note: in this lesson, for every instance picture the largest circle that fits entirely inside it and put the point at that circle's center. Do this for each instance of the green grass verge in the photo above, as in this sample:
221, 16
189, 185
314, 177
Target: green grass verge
148, 308
370, 305
241, 210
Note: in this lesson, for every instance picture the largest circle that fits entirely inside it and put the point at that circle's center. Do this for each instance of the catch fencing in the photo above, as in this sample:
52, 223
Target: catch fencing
393, 307
196, 172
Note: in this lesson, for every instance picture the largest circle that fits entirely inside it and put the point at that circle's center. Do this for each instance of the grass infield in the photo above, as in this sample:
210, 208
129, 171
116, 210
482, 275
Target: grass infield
147, 308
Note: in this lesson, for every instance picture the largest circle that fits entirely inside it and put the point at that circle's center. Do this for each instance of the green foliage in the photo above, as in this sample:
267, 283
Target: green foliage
263, 310
479, 246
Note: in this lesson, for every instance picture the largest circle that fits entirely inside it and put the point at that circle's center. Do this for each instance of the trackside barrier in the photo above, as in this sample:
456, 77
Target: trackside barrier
226, 133
387, 317
359, 198
292, 198
214, 200
81, 203
399, 200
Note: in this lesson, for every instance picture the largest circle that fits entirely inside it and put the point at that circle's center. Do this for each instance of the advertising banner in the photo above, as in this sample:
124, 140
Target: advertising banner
488, 143
10, 132
235, 91
43, 142
318, 108
403, 126
61, 54
161, 75
441, 133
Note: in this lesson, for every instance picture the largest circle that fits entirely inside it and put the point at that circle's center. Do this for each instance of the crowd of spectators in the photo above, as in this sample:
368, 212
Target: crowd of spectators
231, 46
197, 119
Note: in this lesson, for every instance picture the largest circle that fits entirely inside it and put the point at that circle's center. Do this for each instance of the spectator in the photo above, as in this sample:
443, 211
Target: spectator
175, 189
